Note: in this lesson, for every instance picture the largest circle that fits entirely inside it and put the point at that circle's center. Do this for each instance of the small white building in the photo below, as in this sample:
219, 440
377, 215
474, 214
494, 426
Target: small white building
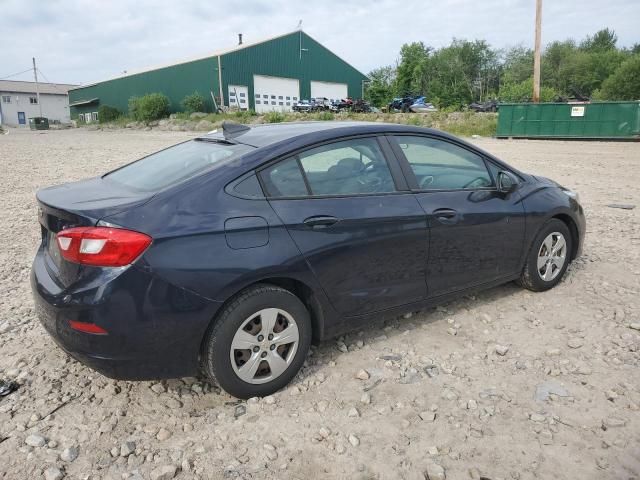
19, 102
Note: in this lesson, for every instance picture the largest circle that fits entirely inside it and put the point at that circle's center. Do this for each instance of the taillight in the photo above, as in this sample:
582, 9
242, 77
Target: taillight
102, 246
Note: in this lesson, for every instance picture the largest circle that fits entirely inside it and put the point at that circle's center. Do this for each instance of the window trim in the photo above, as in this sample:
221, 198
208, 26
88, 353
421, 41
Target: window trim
411, 176
400, 183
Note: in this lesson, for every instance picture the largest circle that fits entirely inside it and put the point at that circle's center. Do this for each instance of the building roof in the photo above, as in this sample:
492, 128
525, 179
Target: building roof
16, 86
215, 53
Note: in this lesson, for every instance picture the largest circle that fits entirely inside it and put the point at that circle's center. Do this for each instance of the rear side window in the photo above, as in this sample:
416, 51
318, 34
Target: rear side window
176, 164
440, 165
284, 179
348, 167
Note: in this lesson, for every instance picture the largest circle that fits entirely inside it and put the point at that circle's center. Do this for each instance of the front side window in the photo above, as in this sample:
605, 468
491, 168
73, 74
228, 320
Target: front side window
33, 100
349, 167
176, 164
6, 99
440, 165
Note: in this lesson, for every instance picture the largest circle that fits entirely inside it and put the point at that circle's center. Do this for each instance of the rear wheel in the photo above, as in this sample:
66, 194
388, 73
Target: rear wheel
258, 343
549, 257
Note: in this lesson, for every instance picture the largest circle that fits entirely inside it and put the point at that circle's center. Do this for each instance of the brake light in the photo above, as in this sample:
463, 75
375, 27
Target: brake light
102, 246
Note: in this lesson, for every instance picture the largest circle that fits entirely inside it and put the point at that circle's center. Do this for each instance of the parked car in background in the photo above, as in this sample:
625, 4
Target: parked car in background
401, 104
302, 106
422, 106
344, 104
360, 106
321, 103
230, 253
488, 106
313, 105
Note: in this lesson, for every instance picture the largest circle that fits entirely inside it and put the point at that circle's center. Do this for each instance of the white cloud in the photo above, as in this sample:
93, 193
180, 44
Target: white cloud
80, 41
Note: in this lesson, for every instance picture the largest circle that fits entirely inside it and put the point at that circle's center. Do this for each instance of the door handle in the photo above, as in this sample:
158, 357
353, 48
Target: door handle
447, 216
320, 221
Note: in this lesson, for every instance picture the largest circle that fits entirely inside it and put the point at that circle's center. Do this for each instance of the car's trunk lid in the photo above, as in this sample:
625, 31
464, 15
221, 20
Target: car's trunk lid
77, 204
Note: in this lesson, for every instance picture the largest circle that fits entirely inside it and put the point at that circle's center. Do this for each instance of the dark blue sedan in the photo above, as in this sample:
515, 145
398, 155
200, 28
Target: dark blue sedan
232, 252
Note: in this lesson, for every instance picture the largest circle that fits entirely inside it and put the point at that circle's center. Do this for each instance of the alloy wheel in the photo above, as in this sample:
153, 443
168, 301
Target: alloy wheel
552, 256
264, 346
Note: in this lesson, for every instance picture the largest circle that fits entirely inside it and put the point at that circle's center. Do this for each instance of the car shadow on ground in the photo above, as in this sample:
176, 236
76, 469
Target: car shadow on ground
388, 331
391, 328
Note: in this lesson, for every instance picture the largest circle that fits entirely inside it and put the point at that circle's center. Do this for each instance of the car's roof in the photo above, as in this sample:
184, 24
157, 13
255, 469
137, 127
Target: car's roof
276, 141
263, 135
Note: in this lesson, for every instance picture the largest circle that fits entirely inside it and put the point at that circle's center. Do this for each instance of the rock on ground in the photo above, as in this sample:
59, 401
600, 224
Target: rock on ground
53, 473
166, 472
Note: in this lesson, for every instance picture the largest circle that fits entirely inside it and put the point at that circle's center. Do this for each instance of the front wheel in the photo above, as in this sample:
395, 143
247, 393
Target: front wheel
258, 343
548, 258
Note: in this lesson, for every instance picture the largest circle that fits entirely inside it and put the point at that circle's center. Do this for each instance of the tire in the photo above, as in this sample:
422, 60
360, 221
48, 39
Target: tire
244, 320
542, 270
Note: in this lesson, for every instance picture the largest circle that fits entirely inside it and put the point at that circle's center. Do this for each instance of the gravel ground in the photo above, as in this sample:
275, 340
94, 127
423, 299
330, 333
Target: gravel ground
506, 384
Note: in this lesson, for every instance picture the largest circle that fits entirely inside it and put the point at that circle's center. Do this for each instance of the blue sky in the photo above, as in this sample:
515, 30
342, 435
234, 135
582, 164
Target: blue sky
80, 41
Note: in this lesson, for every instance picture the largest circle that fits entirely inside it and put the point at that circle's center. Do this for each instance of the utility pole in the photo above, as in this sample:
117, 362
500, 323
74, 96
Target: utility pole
35, 75
536, 54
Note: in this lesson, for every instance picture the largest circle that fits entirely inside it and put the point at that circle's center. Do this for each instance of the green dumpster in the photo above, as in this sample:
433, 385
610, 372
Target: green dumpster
39, 123
604, 120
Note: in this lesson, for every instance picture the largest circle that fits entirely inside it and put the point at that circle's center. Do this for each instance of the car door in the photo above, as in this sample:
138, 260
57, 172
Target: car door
476, 232
348, 209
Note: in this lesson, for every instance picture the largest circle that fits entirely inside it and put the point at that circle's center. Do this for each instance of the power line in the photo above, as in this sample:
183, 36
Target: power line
53, 85
49, 82
16, 74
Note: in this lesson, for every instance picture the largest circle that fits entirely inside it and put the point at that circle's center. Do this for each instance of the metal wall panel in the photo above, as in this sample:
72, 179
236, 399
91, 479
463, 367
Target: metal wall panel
569, 120
175, 81
291, 56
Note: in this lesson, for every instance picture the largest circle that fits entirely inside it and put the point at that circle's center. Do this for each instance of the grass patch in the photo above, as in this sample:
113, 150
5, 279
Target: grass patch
323, 116
274, 117
471, 123
463, 124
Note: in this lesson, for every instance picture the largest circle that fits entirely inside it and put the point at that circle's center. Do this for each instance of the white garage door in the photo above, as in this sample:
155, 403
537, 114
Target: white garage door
239, 97
330, 90
275, 93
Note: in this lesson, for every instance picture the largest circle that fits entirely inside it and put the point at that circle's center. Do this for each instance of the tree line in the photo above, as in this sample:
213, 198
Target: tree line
466, 71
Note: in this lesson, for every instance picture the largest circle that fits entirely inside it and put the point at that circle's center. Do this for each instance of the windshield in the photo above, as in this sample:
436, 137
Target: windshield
176, 164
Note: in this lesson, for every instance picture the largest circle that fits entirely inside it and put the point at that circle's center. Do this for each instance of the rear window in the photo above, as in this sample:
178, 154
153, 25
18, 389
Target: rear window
176, 164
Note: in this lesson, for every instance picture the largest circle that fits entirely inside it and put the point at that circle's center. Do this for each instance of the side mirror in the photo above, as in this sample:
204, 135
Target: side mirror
507, 182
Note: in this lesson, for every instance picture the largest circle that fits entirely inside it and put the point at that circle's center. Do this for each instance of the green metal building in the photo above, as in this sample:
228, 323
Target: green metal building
268, 75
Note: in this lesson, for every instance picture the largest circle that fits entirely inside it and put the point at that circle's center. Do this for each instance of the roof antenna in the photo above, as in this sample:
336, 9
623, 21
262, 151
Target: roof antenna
231, 130
299, 27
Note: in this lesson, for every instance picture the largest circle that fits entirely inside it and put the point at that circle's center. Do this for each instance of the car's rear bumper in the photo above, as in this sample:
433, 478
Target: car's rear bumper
154, 328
